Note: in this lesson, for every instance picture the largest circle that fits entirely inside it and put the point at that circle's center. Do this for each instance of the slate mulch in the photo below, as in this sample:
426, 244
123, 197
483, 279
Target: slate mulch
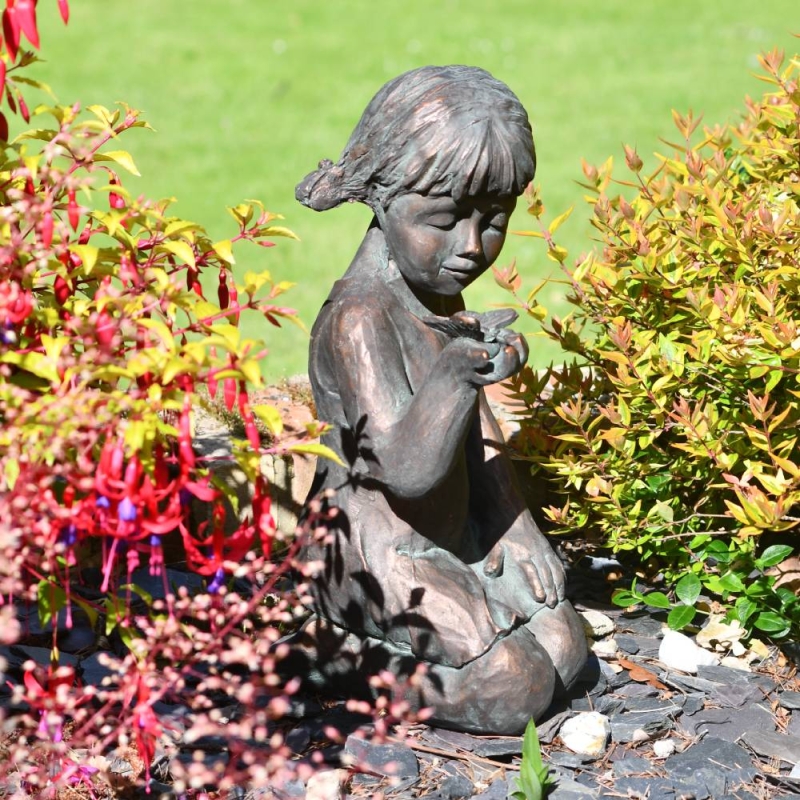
720, 733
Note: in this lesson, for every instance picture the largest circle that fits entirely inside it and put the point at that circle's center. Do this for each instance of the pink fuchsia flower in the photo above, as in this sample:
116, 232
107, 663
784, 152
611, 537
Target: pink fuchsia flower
16, 303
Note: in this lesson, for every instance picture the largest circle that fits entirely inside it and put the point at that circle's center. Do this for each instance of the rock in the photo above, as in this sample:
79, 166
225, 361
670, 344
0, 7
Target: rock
711, 767
680, 652
735, 695
42, 655
548, 729
388, 760
664, 748
729, 725
456, 787
637, 690
795, 773
605, 648
596, 624
586, 733
719, 635
593, 678
641, 705
774, 745
643, 789
632, 765
645, 626
572, 761
732, 662
567, 789
298, 739
790, 700
628, 643
326, 784
497, 790
639, 727
688, 682
95, 670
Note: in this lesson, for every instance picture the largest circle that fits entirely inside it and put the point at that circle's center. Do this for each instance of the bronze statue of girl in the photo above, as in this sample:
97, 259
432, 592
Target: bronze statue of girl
436, 560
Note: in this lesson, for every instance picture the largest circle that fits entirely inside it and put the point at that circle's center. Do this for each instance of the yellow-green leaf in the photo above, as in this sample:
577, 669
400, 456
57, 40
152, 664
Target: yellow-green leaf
559, 221
271, 417
182, 250
317, 450
224, 249
121, 157
278, 230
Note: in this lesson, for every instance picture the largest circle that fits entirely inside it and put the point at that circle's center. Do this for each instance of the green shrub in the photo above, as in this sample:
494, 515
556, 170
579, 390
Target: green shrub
674, 434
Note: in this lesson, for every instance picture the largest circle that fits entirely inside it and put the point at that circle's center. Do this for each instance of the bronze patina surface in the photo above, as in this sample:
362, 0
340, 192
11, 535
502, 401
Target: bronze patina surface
433, 557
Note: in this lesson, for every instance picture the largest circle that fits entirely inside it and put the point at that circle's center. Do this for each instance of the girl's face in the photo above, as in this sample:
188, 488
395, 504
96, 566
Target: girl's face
441, 245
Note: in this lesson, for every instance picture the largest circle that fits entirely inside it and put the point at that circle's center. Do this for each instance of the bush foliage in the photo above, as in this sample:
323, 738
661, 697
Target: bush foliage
674, 434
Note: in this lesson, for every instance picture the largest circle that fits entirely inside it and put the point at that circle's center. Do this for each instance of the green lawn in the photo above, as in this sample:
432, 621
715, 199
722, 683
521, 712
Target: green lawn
247, 95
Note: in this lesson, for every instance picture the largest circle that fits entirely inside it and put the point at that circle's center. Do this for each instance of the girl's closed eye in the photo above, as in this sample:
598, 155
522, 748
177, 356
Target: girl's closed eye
442, 220
497, 220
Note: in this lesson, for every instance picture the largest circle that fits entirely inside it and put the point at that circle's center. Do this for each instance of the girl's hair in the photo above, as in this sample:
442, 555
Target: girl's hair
440, 130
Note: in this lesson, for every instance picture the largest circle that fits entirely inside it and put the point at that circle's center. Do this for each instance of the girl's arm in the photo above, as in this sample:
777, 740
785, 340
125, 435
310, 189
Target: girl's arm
407, 442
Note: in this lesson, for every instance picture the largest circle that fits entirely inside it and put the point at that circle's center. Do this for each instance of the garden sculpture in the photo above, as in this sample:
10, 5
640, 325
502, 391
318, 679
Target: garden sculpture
433, 557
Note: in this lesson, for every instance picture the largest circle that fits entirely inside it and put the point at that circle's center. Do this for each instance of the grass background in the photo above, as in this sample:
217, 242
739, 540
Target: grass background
247, 95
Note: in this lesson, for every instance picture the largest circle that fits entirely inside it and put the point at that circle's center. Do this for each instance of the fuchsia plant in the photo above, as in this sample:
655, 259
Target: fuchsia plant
107, 332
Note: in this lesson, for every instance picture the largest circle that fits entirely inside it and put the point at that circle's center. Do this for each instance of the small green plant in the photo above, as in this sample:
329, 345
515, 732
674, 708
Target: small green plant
673, 435
534, 780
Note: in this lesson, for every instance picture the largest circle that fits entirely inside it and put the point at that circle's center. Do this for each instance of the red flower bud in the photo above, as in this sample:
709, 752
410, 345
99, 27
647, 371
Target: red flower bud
230, 393
46, 228
116, 461
11, 32
2, 77
63, 7
234, 295
73, 214
104, 329
3, 127
62, 290
133, 472
23, 108
26, 14
116, 201
222, 291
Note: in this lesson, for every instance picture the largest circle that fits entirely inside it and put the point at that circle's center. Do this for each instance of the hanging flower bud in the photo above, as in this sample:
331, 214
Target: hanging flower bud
73, 214
230, 393
61, 289
234, 300
211, 381
115, 200
104, 328
63, 8
23, 108
222, 291
26, 16
46, 228
133, 474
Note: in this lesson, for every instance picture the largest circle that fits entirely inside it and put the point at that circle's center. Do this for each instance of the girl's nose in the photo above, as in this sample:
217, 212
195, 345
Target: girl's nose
470, 244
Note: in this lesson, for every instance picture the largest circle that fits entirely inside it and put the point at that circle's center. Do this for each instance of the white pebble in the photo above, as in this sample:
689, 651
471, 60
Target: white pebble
596, 624
586, 733
326, 785
663, 748
605, 648
680, 652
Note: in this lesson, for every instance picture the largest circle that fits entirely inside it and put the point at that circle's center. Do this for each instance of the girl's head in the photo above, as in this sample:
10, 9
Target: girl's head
435, 130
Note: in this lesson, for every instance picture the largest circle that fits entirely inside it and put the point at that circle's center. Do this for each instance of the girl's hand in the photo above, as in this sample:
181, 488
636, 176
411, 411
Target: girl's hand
484, 363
